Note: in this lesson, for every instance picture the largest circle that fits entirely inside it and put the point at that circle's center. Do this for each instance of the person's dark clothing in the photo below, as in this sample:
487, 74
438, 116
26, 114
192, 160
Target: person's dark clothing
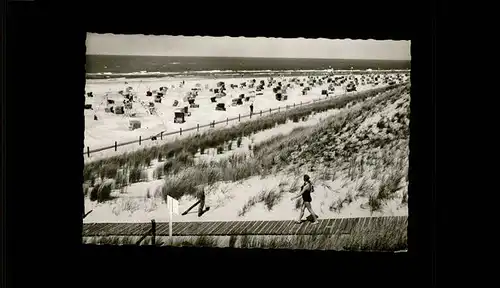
201, 206
306, 196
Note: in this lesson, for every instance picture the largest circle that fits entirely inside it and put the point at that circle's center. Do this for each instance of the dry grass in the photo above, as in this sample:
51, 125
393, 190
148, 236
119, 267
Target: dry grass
269, 197
101, 192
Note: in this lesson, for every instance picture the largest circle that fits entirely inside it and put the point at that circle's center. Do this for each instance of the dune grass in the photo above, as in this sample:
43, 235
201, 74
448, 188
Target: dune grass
218, 137
182, 175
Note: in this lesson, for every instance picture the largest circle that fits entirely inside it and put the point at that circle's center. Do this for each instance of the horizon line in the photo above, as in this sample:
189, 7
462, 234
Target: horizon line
140, 55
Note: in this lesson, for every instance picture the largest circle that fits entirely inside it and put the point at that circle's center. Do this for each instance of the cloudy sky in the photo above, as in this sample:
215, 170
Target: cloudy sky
152, 45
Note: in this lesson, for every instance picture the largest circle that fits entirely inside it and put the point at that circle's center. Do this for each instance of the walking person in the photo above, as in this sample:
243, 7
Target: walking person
201, 203
201, 206
251, 109
305, 193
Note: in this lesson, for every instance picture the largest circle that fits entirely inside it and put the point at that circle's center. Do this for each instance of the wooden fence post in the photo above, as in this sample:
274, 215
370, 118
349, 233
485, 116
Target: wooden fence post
180, 131
300, 103
213, 124
293, 105
269, 110
198, 127
279, 108
116, 145
88, 151
260, 112
139, 140
161, 135
227, 121
239, 117
153, 232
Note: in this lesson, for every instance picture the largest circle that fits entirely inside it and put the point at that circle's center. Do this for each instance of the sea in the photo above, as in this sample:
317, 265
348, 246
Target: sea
119, 66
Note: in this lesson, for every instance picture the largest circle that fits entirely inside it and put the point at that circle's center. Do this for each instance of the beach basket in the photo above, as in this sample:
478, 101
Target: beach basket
134, 124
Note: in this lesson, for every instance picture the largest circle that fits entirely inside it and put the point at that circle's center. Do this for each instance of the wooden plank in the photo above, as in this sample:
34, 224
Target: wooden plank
367, 229
362, 228
178, 227
377, 224
137, 230
343, 226
302, 229
95, 229
233, 224
282, 224
285, 227
395, 223
102, 231
264, 230
346, 224
237, 226
116, 228
339, 226
328, 227
257, 228
132, 228
279, 227
290, 229
271, 230
90, 227
381, 225
144, 228
128, 229
333, 226
241, 227
204, 226
162, 228
223, 229
353, 223
214, 228
294, 230
207, 227
405, 222
313, 228
322, 226
120, 230
185, 229
389, 223
86, 228
374, 225
193, 229
250, 228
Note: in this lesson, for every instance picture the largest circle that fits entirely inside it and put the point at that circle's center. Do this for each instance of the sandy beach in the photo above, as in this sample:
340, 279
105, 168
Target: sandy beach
239, 200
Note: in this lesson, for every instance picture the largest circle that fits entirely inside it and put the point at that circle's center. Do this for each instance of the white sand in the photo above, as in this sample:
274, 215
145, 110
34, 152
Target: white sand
227, 199
111, 127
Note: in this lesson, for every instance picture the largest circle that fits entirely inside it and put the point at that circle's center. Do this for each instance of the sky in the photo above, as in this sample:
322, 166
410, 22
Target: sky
152, 45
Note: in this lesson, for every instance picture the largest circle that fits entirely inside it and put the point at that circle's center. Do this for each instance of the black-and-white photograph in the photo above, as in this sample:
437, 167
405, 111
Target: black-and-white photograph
241, 142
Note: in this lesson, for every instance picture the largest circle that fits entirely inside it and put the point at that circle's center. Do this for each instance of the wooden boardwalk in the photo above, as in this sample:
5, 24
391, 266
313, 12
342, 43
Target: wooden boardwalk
221, 228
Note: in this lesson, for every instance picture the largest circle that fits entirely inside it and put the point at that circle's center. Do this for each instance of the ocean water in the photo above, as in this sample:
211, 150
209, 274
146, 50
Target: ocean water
111, 66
